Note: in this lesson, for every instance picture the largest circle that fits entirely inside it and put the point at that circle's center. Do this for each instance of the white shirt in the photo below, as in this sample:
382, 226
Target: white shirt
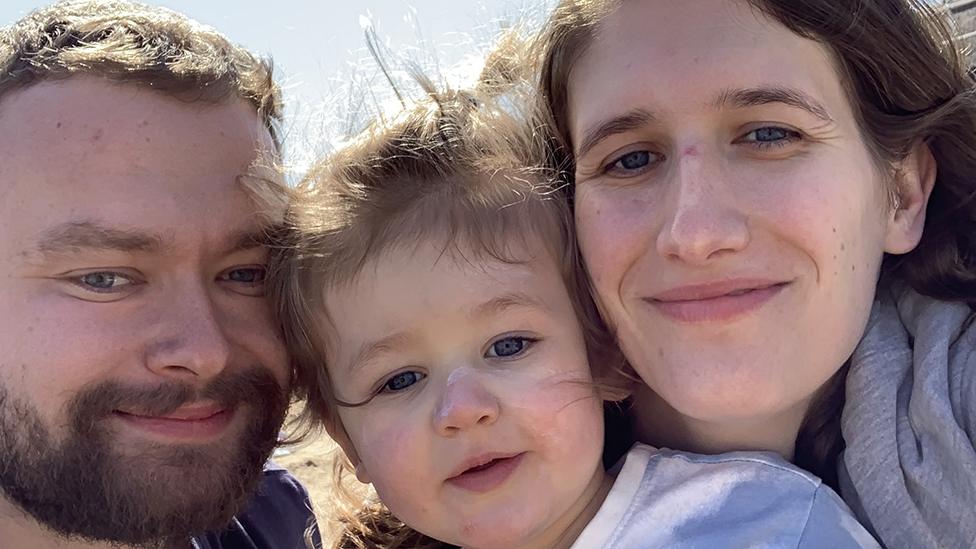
663, 498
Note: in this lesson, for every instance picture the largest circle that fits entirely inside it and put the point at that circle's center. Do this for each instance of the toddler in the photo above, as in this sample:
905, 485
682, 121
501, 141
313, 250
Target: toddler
432, 291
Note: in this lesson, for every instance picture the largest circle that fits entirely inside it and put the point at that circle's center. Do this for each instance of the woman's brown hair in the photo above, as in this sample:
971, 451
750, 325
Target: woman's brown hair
907, 84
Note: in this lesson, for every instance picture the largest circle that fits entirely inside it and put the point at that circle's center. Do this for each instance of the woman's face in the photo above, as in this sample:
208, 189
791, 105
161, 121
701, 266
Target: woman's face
729, 211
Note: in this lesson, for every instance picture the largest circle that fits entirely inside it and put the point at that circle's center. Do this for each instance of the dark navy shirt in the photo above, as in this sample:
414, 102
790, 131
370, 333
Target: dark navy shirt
277, 518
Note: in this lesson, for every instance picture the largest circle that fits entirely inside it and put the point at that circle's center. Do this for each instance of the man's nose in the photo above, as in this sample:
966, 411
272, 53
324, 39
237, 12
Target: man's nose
192, 346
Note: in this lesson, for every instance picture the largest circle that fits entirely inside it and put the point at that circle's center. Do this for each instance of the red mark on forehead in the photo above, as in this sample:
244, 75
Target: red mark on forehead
690, 151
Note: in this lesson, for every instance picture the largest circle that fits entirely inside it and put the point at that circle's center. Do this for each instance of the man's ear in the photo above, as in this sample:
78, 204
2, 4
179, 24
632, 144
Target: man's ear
915, 180
338, 434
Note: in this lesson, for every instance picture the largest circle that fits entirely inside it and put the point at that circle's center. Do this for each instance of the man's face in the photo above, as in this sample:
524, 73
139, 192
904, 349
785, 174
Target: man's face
142, 383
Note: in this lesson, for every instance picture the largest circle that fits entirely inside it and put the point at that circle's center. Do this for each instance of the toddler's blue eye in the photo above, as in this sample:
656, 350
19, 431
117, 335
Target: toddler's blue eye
508, 347
403, 380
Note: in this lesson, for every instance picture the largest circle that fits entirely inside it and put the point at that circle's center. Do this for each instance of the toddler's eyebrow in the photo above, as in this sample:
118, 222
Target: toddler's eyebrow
507, 301
372, 349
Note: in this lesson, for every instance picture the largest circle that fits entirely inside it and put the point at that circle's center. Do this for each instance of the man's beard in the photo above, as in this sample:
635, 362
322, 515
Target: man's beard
89, 486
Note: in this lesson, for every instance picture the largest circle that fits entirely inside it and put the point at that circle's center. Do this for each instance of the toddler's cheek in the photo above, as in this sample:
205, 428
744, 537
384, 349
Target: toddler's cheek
551, 394
398, 469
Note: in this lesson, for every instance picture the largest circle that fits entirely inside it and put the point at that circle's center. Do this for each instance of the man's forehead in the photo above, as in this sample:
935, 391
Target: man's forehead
173, 170
81, 115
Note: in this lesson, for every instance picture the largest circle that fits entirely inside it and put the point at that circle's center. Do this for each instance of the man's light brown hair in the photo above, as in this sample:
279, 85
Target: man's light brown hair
129, 42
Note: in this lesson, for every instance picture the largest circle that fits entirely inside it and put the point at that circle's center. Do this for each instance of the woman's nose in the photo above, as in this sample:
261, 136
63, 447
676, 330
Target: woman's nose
703, 220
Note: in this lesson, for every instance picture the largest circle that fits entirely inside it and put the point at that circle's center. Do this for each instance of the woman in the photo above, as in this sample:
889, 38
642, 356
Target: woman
774, 203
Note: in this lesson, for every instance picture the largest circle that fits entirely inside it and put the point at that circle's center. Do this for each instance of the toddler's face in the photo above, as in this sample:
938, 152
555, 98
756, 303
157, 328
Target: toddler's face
483, 429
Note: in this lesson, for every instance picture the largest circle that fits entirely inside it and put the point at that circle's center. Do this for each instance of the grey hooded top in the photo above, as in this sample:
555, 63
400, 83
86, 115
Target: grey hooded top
909, 470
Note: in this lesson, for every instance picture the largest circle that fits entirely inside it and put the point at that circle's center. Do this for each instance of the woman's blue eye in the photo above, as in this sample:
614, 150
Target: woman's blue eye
104, 281
509, 347
633, 163
402, 381
771, 136
633, 160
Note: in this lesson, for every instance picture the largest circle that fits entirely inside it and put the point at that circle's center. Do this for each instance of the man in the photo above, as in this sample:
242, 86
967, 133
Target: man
142, 380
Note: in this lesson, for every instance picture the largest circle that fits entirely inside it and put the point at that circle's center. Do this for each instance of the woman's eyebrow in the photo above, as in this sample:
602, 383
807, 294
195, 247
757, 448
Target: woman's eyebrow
734, 98
764, 95
630, 120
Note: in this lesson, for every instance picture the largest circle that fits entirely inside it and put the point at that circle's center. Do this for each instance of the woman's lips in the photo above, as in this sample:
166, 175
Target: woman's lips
487, 474
717, 301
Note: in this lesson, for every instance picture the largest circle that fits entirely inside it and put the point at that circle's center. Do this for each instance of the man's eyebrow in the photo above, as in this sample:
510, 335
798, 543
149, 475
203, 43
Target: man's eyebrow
246, 240
631, 120
75, 236
755, 97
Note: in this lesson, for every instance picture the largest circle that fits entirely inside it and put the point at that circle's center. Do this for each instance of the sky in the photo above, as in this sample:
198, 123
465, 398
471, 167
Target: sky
319, 50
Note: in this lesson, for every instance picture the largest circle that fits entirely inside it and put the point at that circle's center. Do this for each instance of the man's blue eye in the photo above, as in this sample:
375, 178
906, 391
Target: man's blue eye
403, 380
104, 281
508, 347
253, 275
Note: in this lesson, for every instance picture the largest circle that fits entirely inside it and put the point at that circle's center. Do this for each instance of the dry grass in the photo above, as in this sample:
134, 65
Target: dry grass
312, 463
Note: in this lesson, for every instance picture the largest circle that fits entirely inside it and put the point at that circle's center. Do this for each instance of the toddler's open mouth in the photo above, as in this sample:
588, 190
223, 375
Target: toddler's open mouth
486, 473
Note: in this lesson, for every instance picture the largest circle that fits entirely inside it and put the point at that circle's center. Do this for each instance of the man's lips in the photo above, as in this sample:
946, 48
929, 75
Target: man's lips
186, 413
716, 301
486, 471
192, 422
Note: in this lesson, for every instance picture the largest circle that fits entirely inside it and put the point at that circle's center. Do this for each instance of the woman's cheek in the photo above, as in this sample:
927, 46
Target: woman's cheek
614, 230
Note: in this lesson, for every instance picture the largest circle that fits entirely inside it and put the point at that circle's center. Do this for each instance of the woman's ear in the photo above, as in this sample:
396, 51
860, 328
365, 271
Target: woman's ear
915, 180
338, 434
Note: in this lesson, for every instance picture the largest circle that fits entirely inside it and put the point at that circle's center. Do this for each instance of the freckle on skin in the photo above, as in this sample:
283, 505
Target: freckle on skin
842, 246
58, 125
834, 229
98, 135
